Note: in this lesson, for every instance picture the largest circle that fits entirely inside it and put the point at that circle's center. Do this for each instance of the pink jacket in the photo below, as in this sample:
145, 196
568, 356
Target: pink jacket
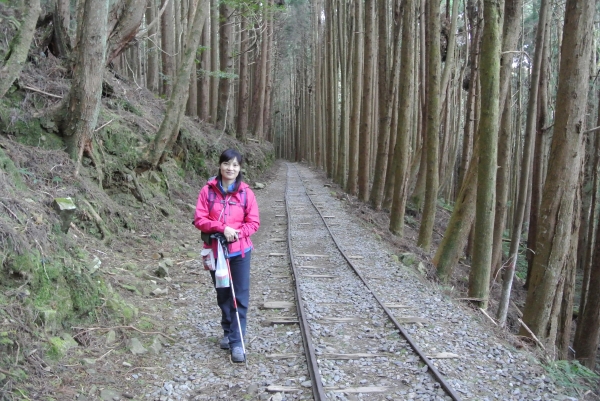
226, 211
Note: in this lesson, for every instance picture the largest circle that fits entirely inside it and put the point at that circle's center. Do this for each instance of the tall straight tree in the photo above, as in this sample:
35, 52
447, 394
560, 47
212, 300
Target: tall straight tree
242, 105
558, 195
167, 35
519, 210
432, 36
152, 52
214, 59
357, 78
225, 62
169, 128
406, 91
366, 113
479, 277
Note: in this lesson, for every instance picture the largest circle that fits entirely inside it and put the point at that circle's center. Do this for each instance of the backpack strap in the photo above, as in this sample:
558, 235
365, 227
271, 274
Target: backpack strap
211, 198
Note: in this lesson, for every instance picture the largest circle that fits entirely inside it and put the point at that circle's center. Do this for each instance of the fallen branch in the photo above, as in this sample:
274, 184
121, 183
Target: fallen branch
123, 327
532, 335
41, 91
488, 316
6, 372
103, 125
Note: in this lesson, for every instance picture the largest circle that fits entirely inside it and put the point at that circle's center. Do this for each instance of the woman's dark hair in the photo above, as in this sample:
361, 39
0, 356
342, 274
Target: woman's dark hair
231, 154
225, 157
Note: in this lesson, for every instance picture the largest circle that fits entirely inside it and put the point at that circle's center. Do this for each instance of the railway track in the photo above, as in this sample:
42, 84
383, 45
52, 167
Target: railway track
342, 313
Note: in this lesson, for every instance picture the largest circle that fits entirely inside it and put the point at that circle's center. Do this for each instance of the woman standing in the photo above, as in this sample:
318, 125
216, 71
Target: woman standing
227, 205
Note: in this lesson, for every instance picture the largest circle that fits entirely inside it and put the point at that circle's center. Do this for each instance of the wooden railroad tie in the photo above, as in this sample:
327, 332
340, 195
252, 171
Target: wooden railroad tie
341, 319
350, 356
319, 276
309, 255
281, 320
278, 305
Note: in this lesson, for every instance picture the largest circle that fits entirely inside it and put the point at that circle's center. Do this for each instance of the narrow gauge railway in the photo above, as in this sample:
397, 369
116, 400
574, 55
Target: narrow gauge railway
352, 343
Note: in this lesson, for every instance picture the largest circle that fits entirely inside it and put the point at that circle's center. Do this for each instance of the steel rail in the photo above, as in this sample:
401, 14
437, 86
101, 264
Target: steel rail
408, 338
311, 357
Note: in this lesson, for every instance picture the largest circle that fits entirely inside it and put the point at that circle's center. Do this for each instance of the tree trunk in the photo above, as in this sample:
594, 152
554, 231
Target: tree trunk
124, 22
19, 47
169, 128
432, 126
366, 113
214, 59
61, 20
512, 18
167, 35
479, 277
258, 100
242, 108
225, 62
152, 52
204, 79
82, 105
387, 94
405, 113
357, 78
556, 210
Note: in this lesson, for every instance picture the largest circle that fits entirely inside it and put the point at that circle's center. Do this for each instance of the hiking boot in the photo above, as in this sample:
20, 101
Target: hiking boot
224, 343
237, 355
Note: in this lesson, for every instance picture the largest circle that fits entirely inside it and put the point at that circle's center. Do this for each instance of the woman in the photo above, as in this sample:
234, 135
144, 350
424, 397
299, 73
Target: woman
227, 205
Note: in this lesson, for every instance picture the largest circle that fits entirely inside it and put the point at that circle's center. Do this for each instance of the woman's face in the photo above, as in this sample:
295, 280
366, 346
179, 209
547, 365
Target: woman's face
230, 170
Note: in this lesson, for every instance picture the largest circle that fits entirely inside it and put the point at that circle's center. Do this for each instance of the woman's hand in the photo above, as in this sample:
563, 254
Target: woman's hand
231, 234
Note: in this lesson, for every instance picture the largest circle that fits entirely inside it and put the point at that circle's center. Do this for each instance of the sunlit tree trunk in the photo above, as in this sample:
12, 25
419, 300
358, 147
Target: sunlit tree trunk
556, 210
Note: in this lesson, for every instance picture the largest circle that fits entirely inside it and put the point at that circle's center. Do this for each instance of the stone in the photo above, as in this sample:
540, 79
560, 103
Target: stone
162, 271
111, 337
88, 361
108, 394
259, 185
65, 207
156, 345
69, 341
48, 319
157, 291
136, 347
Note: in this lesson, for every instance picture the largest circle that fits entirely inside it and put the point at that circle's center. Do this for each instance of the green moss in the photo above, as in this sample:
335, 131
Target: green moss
7, 165
123, 311
118, 140
57, 348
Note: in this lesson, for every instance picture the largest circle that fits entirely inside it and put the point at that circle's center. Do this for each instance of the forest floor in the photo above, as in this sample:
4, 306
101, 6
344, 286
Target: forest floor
133, 360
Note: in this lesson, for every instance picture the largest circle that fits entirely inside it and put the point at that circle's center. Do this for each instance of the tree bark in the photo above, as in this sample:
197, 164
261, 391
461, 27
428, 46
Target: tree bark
167, 35
432, 125
19, 47
242, 108
152, 52
357, 78
82, 105
366, 113
124, 22
405, 113
169, 128
214, 59
556, 211
60, 22
225, 63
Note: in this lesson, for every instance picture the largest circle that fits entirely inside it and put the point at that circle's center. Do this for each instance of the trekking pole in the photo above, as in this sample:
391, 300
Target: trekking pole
237, 315
223, 243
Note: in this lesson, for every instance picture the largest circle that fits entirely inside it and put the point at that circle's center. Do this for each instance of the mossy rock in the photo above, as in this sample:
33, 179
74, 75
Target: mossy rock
57, 348
125, 312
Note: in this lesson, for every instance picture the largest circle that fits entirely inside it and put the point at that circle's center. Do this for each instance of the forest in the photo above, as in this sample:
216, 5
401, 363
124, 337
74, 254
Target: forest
486, 109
